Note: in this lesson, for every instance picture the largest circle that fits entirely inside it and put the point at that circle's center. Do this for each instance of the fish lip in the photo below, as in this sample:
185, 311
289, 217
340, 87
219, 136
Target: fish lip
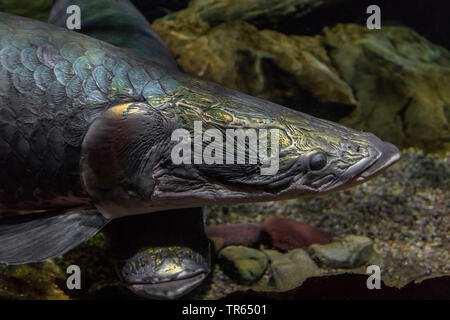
170, 289
381, 155
349, 176
389, 154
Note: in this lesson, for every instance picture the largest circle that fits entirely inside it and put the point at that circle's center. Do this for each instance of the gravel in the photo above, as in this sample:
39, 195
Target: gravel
405, 210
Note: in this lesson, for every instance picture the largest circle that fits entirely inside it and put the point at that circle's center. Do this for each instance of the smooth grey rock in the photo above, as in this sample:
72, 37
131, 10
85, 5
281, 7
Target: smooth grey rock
243, 264
290, 270
351, 252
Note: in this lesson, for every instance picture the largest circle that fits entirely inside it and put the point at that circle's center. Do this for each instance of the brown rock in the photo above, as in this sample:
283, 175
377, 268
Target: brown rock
287, 234
400, 80
245, 234
291, 70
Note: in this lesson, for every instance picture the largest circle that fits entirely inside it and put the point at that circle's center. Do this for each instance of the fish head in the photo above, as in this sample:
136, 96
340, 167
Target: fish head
206, 144
283, 153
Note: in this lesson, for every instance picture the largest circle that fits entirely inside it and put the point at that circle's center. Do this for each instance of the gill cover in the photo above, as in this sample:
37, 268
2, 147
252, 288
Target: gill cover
119, 152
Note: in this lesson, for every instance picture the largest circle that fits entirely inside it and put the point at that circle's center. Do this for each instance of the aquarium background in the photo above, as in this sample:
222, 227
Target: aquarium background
317, 57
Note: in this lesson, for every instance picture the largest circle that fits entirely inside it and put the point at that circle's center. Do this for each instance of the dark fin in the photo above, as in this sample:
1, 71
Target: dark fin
34, 238
116, 22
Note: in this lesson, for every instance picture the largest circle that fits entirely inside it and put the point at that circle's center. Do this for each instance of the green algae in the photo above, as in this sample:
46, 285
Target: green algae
35, 9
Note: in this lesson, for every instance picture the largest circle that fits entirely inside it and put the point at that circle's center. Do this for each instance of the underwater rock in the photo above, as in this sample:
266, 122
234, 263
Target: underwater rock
290, 270
291, 70
32, 281
245, 234
404, 211
182, 29
287, 233
243, 264
400, 80
351, 252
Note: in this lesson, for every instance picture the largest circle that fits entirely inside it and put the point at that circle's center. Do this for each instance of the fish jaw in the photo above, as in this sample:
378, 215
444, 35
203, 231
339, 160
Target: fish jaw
382, 155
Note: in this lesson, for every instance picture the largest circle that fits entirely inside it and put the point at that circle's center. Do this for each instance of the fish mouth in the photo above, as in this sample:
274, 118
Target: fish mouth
170, 289
389, 154
381, 155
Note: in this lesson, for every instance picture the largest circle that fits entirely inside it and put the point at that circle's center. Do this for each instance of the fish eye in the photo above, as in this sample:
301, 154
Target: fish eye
317, 161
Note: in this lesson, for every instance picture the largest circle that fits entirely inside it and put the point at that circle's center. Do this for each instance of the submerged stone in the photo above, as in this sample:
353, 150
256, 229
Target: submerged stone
245, 265
400, 80
351, 252
290, 270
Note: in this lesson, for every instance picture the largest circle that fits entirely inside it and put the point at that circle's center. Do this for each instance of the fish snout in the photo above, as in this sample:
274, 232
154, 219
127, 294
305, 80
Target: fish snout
386, 155
378, 155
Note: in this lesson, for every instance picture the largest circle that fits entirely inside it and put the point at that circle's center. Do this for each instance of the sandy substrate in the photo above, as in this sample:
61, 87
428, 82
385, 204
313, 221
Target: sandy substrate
405, 211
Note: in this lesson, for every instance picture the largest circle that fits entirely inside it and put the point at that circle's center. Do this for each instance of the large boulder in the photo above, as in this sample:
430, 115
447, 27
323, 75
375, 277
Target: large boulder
400, 80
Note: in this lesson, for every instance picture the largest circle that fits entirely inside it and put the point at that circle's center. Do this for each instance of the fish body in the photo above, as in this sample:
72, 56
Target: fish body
53, 84
86, 136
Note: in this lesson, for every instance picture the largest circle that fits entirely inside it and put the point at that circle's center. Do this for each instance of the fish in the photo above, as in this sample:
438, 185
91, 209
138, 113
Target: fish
86, 137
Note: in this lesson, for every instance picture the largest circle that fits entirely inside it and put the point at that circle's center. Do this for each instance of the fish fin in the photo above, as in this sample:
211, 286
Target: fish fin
120, 24
27, 239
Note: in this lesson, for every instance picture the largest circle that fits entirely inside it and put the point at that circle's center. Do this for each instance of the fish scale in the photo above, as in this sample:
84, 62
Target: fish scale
53, 84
